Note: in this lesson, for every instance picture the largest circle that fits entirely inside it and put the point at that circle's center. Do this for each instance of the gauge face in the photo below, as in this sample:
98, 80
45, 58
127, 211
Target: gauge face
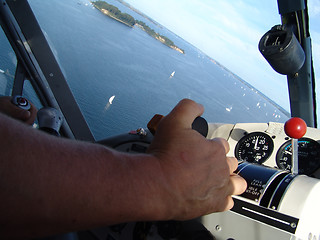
255, 147
308, 156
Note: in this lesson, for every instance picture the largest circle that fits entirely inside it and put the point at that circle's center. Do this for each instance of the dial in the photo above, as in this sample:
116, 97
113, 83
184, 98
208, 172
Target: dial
308, 156
256, 147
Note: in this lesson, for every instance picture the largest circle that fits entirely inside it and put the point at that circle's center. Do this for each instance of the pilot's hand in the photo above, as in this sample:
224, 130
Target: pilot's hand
198, 174
8, 108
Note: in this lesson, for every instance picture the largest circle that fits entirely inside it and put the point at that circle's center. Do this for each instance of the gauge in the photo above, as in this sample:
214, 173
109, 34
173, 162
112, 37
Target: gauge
308, 156
256, 147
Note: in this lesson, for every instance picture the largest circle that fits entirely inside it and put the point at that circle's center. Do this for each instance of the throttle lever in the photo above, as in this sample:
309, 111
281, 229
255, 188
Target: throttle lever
199, 124
295, 128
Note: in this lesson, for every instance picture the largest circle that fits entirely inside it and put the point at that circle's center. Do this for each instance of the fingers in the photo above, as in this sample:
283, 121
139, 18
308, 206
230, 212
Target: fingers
185, 112
233, 164
238, 184
223, 142
8, 108
232, 161
229, 203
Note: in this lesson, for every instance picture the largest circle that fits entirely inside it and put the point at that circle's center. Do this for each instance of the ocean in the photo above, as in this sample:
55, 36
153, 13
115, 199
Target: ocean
101, 58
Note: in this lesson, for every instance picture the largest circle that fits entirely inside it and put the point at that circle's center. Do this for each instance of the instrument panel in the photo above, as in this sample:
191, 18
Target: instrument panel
267, 144
259, 143
279, 203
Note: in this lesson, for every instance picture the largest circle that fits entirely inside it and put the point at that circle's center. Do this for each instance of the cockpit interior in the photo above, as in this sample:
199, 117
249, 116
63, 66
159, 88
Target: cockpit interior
282, 170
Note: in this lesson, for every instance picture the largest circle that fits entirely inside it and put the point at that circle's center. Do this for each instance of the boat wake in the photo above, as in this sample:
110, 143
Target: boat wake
109, 103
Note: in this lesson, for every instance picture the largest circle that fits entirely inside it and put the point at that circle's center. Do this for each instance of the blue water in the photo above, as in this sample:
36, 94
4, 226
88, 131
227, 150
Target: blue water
101, 57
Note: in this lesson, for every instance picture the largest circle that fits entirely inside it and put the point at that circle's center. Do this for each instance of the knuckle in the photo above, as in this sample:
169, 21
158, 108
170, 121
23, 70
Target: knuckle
224, 145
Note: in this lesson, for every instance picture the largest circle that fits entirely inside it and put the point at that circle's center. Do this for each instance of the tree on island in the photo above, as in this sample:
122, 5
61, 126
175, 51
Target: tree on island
115, 12
156, 35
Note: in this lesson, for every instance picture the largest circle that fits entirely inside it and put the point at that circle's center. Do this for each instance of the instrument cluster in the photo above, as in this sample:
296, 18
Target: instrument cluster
267, 144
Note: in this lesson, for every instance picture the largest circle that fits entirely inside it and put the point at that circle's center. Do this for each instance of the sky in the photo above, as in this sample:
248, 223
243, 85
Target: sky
229, 31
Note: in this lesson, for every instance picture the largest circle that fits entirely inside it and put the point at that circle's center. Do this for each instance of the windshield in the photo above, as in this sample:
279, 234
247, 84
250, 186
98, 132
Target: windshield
122, 75
8, 65
8, 62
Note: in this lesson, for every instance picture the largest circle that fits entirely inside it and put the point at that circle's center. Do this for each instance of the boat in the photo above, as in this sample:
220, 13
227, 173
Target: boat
172, 74
111, 99
281, 201
228, 109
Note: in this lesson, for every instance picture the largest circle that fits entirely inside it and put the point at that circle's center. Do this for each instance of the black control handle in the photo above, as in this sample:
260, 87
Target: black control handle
199, 124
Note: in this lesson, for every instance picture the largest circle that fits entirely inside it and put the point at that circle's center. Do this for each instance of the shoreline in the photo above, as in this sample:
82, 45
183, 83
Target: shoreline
160, 39
107, 13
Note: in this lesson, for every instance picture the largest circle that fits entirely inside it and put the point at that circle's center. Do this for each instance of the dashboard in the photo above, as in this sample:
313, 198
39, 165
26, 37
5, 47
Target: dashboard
278, 203
259, 143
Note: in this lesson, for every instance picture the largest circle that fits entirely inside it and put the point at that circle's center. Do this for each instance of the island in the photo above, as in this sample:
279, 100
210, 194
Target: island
166, 41
125, 18
114, 12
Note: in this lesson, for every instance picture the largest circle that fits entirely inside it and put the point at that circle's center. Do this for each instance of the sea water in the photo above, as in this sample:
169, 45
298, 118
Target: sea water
101, 58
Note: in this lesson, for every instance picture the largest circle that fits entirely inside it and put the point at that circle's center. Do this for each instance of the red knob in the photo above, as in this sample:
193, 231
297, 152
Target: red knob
295, 127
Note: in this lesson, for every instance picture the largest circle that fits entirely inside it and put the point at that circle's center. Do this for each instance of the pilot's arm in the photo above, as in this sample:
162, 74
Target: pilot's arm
52, 185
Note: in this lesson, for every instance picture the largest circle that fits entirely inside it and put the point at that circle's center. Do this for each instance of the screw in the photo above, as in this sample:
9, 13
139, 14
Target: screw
218, 228
293, 225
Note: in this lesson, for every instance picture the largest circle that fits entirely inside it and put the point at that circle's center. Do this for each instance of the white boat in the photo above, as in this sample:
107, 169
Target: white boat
111, 99
228, 109
172, 74
1, 71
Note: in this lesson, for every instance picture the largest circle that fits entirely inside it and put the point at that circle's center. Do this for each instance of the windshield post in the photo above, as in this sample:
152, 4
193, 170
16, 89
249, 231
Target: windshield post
301, 84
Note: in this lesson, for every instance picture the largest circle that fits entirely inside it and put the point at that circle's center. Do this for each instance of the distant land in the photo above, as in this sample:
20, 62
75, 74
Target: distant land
127, 19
